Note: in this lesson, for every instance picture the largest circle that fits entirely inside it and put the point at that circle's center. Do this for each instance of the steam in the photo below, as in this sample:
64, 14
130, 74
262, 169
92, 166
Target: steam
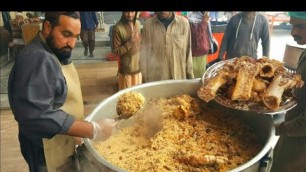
152, 121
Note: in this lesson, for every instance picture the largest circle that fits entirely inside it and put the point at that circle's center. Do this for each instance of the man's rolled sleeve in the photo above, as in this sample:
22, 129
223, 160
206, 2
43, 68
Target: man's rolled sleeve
67, 124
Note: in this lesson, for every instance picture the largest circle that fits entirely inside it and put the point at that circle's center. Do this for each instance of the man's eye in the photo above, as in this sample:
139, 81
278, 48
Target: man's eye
66, 35
300, 26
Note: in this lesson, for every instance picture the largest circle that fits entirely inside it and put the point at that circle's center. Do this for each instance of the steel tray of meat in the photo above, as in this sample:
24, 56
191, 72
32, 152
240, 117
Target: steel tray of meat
221, 96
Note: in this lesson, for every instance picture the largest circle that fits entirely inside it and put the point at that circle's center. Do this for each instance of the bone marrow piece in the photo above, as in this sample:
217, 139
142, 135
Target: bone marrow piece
273, 95
267, 70
208, 91
244, 82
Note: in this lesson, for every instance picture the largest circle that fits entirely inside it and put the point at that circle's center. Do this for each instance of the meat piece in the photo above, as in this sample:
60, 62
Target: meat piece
208, 91
187, 108
200, 160
273, 95
259, 85
181, 113
256, 96
244, 82
267, 70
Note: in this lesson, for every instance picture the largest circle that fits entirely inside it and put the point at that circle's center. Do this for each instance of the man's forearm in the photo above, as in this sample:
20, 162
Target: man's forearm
81, 129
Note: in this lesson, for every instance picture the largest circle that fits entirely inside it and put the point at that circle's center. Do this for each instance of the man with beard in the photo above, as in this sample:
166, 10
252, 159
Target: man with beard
126, 44
290, 150
45, 96
166, 48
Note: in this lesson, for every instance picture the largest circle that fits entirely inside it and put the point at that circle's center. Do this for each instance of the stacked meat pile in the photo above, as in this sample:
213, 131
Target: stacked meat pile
245, 79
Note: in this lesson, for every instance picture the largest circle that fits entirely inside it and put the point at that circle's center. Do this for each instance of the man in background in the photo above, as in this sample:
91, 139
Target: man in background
200, 41
89, 24
242, 35
126, 44
166, 48
290, 150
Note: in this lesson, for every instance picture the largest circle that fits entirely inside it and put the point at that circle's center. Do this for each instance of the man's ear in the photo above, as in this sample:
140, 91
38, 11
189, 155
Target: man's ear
47, 27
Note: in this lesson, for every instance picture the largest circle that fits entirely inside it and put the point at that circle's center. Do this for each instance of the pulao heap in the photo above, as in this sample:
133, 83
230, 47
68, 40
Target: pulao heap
191, 140
129, 103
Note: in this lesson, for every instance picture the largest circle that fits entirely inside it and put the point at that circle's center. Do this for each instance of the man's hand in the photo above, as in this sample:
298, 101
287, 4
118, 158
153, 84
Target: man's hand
206, 16
103, 129
136, 37
78, 141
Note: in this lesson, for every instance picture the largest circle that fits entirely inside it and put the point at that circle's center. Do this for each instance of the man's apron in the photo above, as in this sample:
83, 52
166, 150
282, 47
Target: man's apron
58, 148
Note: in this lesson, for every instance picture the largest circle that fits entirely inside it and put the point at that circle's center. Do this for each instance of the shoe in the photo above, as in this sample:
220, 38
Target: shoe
91, 55
85, 53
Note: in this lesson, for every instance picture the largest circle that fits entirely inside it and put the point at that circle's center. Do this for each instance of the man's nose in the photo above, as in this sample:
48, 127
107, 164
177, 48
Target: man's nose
72, 41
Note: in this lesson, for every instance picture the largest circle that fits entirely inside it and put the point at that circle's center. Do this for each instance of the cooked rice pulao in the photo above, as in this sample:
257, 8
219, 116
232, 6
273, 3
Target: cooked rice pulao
129, 103
192, 139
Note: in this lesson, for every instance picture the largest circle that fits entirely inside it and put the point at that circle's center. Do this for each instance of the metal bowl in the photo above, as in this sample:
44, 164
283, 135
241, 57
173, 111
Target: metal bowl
262, 123
288, 102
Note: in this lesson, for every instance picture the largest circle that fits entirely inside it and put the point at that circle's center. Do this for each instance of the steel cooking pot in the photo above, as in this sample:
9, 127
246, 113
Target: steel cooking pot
262, 123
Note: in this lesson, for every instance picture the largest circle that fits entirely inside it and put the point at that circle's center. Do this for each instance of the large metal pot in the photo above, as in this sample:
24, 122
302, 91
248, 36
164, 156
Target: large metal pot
262, 123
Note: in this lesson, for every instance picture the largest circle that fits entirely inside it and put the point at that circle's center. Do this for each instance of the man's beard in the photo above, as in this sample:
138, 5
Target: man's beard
61, 53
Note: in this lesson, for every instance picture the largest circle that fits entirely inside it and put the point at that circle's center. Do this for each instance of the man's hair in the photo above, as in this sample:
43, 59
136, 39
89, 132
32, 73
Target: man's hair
53, 16
123, 19
298, 14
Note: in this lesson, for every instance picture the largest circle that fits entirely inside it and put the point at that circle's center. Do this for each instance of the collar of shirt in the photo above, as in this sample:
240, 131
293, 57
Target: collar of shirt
166, 22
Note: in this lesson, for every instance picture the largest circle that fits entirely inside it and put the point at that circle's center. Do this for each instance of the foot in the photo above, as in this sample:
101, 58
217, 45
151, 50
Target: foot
85, 53
91, 55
